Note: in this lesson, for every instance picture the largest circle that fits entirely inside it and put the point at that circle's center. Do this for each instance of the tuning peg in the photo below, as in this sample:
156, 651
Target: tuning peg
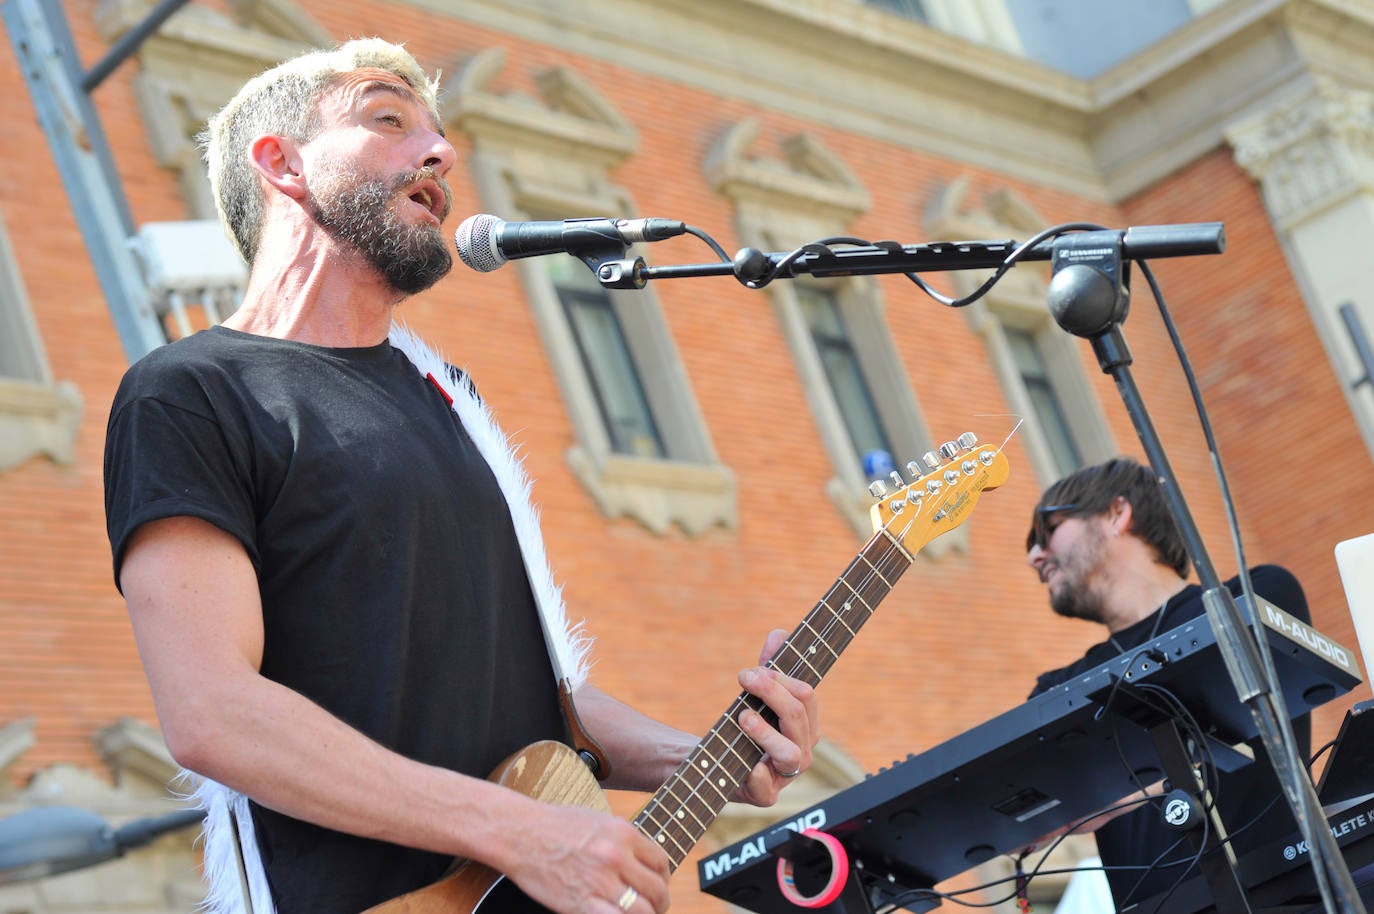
877, 488
967, 440
932, 459
914, 469
897, 479
948, 451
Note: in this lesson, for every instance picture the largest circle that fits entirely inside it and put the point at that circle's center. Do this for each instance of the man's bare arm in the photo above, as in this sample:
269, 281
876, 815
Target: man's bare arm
193, 599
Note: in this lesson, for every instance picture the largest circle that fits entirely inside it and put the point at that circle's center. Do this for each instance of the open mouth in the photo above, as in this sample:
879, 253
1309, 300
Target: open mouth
429, 196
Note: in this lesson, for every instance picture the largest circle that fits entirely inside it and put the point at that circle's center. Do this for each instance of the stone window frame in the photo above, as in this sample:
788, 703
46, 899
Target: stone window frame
555, 153
38, 414
780, 204
1019, 301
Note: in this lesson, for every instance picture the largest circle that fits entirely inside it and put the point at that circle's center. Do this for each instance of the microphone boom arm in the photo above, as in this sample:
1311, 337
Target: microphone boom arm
755, 268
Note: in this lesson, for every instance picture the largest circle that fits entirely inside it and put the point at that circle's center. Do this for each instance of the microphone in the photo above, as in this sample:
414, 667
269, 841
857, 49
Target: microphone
485, 242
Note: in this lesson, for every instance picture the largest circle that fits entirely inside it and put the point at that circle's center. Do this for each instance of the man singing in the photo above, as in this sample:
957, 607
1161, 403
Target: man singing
333, 575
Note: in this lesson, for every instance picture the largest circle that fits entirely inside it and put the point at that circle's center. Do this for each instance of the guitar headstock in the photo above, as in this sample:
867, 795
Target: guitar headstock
942, 497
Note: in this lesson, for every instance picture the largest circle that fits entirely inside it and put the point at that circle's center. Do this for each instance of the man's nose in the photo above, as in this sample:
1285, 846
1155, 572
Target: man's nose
1036, 556
441, 155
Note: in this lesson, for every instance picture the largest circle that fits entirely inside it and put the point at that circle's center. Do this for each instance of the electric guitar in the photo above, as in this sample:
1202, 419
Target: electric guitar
678, 815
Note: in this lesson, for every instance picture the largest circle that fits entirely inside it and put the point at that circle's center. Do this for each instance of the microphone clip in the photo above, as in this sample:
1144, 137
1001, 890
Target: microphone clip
617, 273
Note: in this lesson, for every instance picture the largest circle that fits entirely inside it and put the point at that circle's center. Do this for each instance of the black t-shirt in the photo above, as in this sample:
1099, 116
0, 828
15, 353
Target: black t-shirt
1140, 837
393, 590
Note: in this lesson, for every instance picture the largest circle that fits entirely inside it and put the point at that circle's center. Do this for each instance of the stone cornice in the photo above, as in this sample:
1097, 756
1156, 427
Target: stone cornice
842, 63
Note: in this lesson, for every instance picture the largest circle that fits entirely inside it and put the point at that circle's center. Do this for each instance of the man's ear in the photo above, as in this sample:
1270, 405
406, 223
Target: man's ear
1119, 515
279, 161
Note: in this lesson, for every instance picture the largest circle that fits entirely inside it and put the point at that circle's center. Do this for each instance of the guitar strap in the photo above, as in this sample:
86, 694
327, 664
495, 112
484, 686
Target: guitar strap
568, 645
237, 881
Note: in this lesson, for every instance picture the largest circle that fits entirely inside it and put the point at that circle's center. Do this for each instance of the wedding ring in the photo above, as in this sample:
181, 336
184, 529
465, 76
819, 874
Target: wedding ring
787, 775
627, 898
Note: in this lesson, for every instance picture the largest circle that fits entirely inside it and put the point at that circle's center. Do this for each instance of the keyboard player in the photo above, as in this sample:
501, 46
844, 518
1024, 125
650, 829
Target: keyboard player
1103, 542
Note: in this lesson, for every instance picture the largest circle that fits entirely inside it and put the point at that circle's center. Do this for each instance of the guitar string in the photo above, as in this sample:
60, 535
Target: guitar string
715, 765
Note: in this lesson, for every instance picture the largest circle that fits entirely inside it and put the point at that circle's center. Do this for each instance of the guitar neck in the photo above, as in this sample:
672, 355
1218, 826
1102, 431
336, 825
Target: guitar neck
678, 815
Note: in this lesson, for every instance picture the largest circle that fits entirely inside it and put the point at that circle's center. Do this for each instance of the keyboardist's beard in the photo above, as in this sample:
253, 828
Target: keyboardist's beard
1076, 595
1074, 604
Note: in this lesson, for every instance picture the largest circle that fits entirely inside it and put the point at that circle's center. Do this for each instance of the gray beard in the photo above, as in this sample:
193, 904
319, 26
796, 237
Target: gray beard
409, 258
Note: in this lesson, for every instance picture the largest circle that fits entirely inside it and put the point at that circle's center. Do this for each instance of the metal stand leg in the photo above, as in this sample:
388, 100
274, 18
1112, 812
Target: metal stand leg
1216, 858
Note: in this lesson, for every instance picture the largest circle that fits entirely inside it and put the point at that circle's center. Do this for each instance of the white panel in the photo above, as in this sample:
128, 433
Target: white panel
1355, 559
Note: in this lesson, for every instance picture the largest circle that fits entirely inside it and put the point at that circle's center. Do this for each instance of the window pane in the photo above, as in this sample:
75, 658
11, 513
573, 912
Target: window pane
842, 370
614, 380
1049, 411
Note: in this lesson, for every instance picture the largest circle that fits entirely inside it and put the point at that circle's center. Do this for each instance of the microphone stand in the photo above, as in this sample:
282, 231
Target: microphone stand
1089, 297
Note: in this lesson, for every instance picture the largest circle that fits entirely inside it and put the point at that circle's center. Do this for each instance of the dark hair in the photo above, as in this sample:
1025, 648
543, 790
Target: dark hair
1091, 491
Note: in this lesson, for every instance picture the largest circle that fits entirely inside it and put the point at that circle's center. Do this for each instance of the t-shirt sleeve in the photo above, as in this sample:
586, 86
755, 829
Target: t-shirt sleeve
166, 460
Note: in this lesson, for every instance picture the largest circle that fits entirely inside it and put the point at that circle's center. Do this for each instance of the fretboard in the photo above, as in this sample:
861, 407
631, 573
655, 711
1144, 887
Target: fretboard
683, 809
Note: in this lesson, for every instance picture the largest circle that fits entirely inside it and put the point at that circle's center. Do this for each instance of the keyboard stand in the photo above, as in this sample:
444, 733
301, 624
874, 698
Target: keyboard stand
1208, 838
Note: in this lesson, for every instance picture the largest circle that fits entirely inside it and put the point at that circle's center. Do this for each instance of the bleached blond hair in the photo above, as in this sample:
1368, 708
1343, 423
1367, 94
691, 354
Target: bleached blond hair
284, 101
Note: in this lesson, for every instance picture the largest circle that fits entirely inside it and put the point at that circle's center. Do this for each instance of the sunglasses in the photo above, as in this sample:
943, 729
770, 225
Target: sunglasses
1041, 531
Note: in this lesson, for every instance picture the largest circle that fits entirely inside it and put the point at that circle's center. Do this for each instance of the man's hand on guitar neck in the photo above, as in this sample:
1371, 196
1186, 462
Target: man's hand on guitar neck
788, 747
644, 752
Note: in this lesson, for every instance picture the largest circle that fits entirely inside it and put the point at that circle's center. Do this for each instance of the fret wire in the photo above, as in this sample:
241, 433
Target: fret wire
840, 618
857, 594
847, 605
896, 561
801, 658
681, 824
661, 827
662, 837
685, 805
833, 653
875, 570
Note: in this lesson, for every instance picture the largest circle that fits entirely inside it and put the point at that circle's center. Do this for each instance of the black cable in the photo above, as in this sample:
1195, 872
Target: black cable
1011, 260
1323, 869
720, 251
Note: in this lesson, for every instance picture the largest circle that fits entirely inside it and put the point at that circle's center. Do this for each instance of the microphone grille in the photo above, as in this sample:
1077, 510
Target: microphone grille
476, 242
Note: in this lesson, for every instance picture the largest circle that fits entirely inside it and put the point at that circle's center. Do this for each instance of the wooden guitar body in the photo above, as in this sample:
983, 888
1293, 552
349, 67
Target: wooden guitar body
546, 771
